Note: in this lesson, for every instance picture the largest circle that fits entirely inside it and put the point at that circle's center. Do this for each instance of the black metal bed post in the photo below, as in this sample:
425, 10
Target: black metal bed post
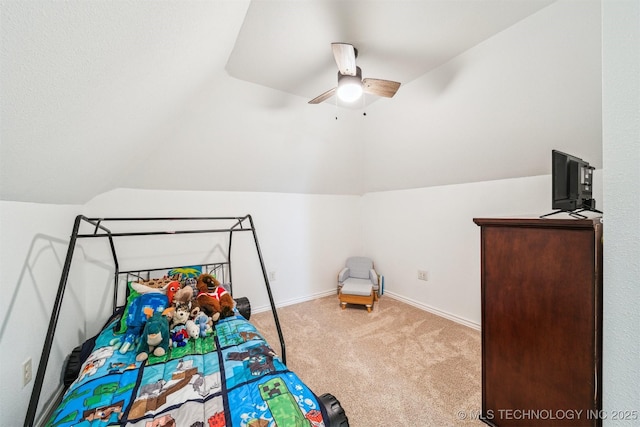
268, 286
115, 259
231, 229
116, 273
46, 350
229, 264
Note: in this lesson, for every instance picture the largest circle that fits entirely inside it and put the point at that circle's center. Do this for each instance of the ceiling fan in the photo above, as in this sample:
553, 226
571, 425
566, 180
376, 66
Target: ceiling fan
350, 83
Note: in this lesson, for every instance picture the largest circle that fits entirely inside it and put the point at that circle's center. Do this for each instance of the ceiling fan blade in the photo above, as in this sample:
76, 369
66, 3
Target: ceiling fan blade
345, 55
318, 99
386, 88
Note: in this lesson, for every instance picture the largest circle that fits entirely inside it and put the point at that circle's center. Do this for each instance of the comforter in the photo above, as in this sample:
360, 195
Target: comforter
230, 376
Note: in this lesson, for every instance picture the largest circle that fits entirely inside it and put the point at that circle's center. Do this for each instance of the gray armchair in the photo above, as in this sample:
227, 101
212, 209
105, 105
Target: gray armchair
359, 271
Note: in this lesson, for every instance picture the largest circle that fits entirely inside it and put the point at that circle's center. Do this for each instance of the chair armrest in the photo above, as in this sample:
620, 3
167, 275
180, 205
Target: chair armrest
343, 275
373, 276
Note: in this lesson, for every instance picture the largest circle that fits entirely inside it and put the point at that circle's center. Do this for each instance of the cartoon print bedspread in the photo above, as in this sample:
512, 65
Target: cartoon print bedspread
229, 378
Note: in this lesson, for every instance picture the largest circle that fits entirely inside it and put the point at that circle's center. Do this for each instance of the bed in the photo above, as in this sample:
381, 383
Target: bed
217, 373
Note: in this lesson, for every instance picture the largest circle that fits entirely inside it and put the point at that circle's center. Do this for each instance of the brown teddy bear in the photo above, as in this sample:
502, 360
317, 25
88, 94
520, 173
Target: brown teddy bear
212, 298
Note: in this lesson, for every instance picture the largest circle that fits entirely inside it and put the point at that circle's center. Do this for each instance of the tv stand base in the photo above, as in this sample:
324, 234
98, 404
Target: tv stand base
575, 213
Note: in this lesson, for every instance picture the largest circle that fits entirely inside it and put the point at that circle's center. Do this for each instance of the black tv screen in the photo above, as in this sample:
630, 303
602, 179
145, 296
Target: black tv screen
571, 183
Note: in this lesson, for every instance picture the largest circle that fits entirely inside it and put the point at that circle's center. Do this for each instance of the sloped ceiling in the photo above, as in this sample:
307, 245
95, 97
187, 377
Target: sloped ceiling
213, 95
285, 45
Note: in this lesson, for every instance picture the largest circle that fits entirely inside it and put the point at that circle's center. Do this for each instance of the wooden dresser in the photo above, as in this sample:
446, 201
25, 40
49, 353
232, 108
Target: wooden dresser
541, 321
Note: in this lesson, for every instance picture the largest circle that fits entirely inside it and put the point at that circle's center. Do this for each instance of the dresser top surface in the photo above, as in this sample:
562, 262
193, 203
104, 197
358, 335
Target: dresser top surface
538, 222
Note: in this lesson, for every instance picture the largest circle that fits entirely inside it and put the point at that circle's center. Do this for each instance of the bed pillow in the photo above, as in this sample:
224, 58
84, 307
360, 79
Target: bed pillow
151, 286
122, 325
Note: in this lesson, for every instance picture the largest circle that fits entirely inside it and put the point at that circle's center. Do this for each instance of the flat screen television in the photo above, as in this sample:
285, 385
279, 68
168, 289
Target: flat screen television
572, 181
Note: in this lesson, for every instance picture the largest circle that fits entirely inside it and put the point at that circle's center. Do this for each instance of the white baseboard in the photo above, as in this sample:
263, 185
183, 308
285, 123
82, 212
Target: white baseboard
425, 307
293, 301
417, 304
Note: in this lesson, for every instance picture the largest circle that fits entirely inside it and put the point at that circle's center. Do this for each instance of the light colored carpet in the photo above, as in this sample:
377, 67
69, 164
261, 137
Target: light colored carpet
395, 366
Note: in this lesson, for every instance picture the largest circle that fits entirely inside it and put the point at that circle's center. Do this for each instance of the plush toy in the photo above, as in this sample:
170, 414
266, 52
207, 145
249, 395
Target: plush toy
213, 299
179, 336
171, 290
155, 338
183, 295
137, 318
204, 324
192, 329
191, 282
180, 314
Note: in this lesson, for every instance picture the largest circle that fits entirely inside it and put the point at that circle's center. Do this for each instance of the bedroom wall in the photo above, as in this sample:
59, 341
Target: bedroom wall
304, 239
432, 229
621, 153
33, 248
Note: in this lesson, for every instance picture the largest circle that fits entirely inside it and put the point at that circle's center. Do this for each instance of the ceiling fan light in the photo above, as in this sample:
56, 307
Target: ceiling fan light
350, 91
350, 87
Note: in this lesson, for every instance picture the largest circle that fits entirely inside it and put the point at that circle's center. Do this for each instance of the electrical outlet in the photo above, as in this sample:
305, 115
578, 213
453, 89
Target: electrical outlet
422, 275
272, 276
27, 372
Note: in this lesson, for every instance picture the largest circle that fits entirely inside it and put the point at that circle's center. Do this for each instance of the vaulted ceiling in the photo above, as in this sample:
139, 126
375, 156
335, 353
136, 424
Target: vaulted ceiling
213, 95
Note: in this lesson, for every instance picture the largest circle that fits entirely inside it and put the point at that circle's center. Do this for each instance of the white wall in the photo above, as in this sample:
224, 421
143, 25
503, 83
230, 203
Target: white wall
621, 152
432, 229
304, 239
33, 247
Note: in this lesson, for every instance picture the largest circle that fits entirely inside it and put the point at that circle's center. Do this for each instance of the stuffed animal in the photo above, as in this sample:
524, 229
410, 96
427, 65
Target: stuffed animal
179, 336
137, 318
213, 299
177, 294
180, 314
155, 338
184, 295
171, 290
204, 324
192, 329
191, 283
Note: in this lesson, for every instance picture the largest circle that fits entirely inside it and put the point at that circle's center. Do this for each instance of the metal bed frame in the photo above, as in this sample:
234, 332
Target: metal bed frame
240, 224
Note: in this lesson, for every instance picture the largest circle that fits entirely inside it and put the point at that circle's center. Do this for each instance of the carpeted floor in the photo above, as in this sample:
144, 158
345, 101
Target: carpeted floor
395, 366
